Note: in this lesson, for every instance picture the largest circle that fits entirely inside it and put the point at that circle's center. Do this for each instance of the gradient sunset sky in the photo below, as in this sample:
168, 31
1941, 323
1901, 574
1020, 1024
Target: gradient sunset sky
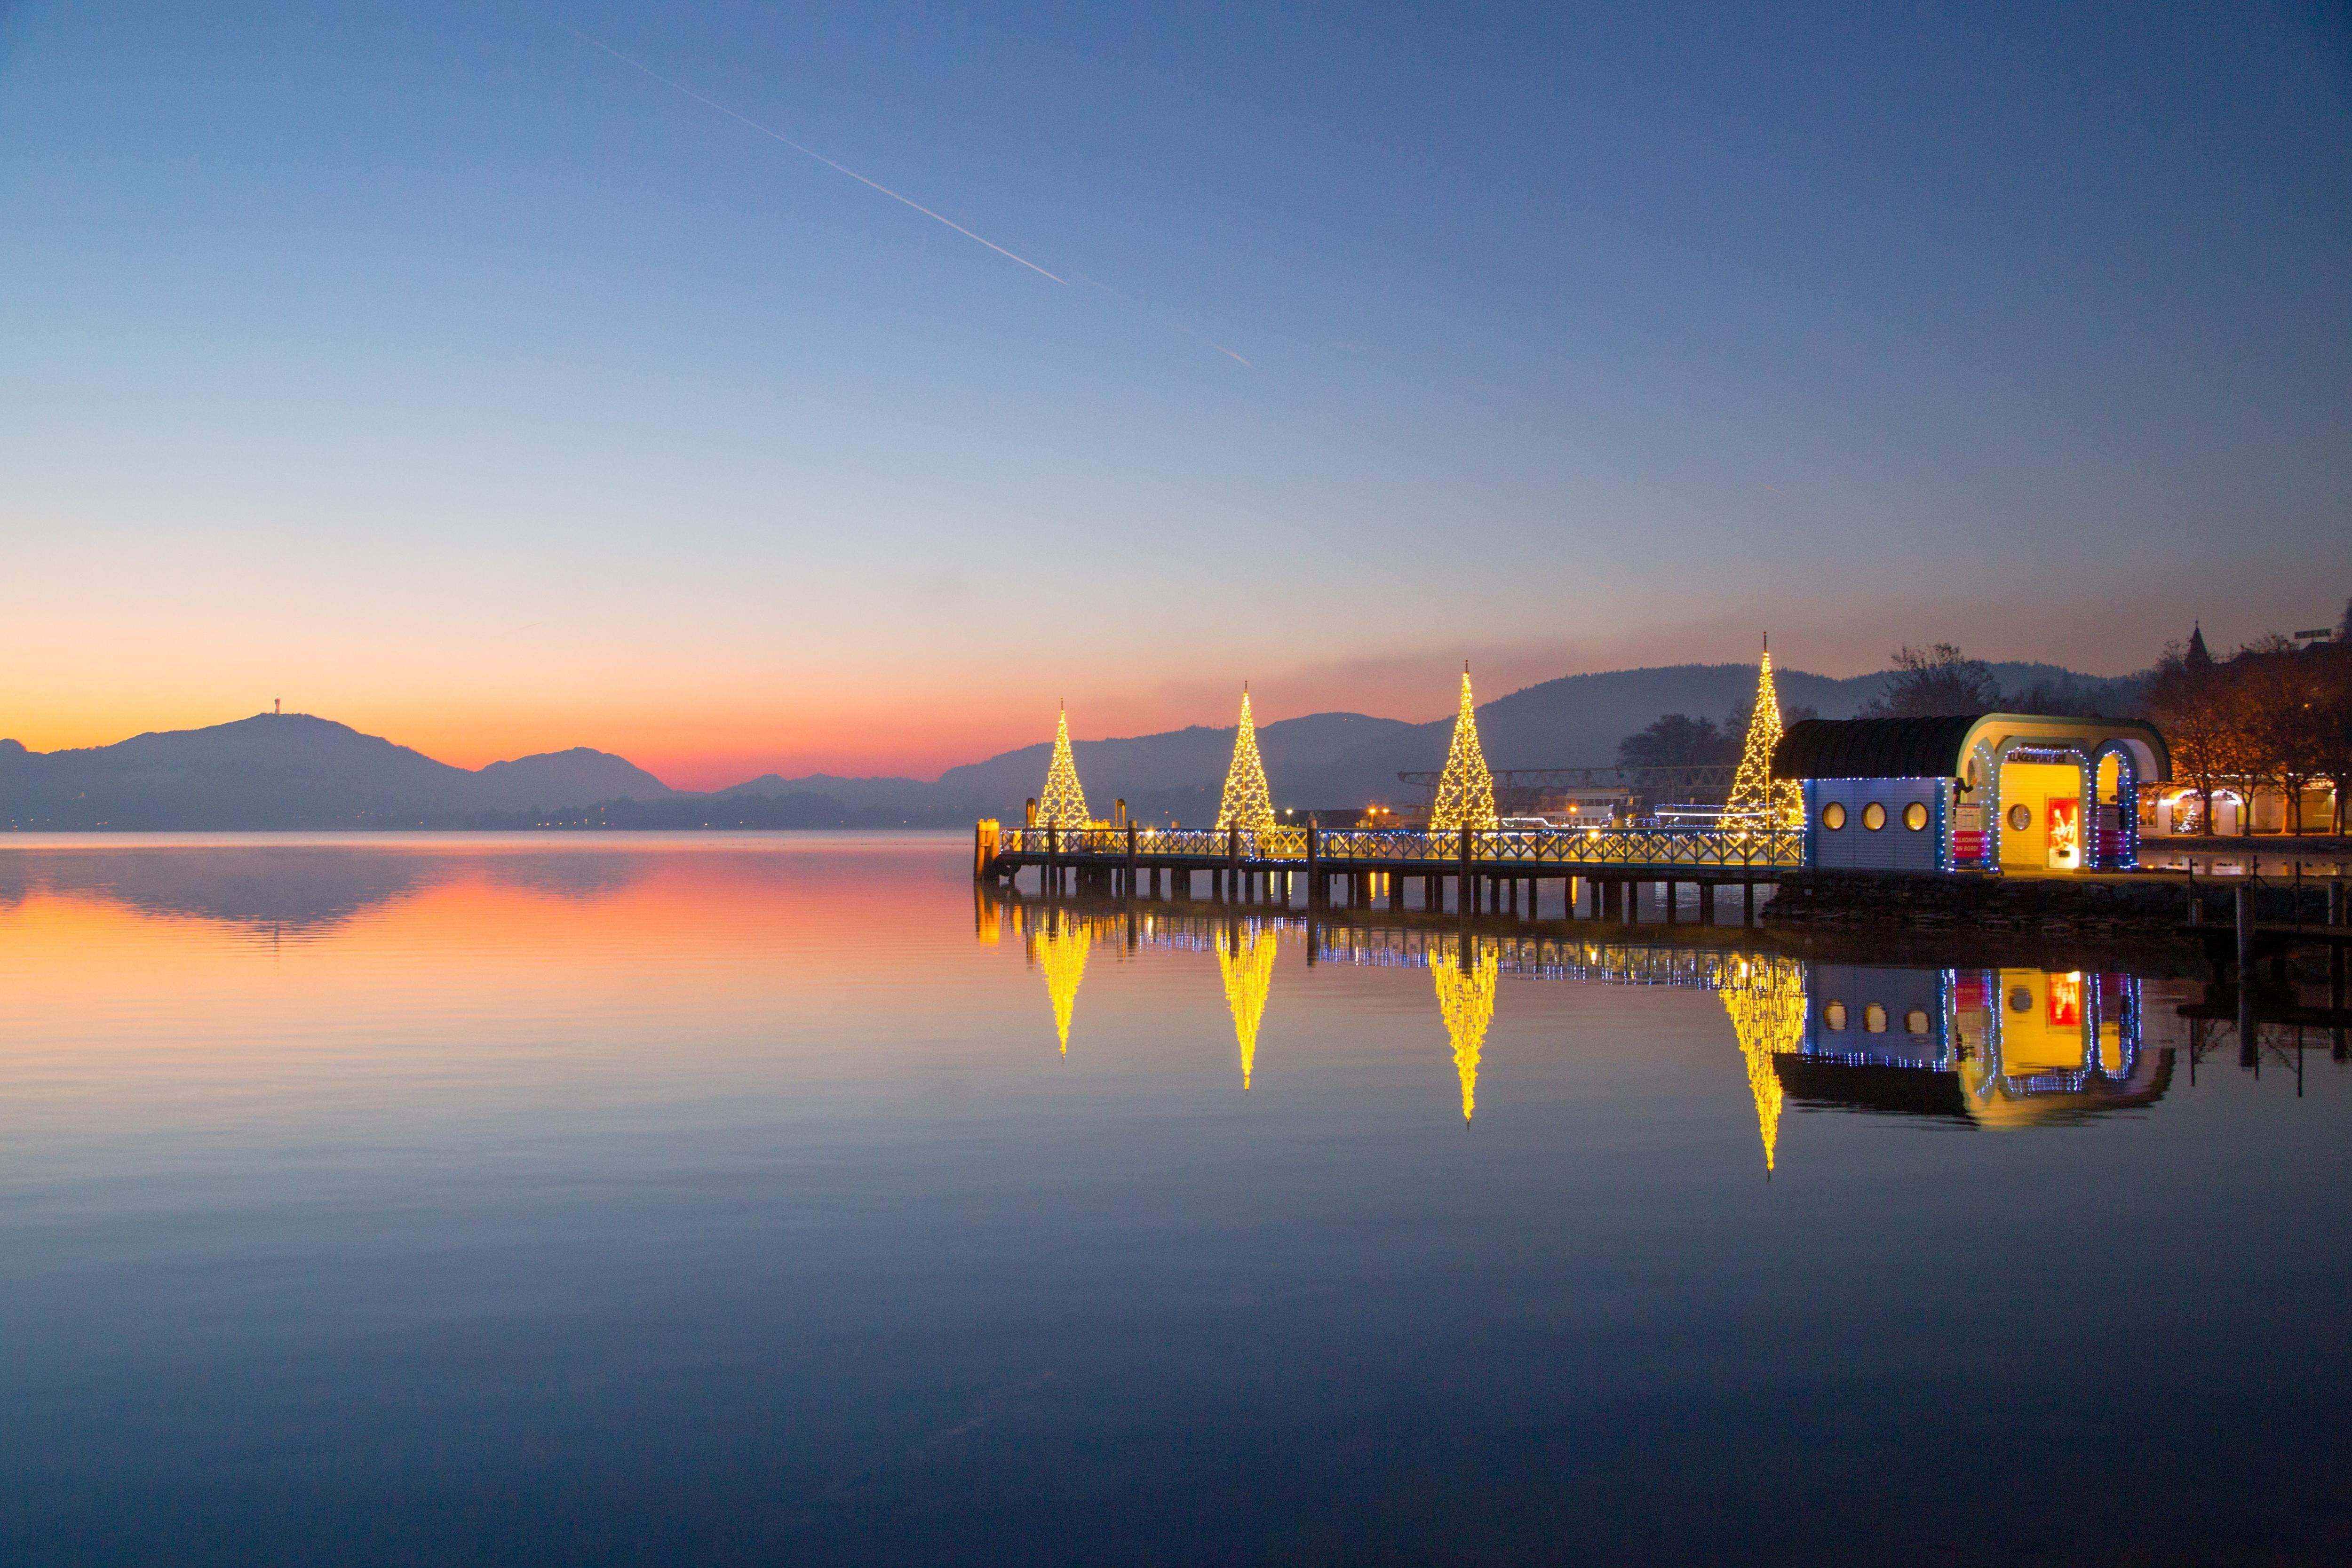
440, 372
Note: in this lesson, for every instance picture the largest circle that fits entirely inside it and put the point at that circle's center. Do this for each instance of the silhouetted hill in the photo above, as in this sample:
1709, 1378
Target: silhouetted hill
293, 771
557, 779
288, 770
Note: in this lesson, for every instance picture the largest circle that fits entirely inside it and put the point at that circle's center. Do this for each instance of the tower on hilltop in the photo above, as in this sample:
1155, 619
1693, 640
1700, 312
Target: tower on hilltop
1465, 791
1248, 804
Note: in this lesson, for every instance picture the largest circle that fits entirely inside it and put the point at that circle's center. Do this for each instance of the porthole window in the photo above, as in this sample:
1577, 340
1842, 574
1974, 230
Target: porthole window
1873, 1019
1833, 816
1873, 817
1914, 817
2021, 817
2021, 1000
1834, 1017
1915, 1022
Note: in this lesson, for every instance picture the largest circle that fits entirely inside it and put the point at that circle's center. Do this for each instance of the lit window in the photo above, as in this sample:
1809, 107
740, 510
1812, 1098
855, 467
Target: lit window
1873, 1019
1834, 1017
1915, 1022
1873, 817
1914, 817
2021, 817
1833, 818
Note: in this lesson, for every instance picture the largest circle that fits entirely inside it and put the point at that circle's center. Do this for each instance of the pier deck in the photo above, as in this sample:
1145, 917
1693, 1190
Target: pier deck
1487, 868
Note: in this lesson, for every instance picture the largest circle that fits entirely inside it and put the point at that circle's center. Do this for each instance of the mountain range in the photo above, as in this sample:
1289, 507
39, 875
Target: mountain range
297, 772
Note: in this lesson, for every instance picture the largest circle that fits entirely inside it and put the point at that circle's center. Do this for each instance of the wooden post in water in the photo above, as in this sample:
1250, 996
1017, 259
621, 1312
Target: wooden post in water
1232, 864
1313, 856
1465, 897
2246, 937
1747, 902
1130, 851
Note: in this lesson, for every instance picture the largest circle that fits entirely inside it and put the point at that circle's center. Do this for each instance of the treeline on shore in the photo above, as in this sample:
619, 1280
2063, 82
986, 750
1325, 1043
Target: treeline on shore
2276, 714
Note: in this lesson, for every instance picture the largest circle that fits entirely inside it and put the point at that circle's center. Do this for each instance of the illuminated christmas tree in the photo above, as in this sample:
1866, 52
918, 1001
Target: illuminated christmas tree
1247, 965
1465, 1000
1465, 793
1064, 803
1759, 801
1061, 952
1247, 804
1766, 999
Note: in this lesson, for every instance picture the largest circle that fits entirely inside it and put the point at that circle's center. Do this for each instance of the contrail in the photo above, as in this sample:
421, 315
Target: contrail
1212, 343
780, 136
1172, 321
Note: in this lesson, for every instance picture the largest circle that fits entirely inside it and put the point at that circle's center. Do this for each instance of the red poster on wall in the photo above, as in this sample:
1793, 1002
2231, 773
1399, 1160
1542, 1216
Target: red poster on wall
2066, 818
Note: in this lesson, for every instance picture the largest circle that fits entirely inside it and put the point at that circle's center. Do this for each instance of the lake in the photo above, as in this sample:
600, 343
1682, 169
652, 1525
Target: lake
586, 1199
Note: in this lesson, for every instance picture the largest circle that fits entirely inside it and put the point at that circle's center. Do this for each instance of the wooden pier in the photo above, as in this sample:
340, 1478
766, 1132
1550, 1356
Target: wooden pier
1472, 871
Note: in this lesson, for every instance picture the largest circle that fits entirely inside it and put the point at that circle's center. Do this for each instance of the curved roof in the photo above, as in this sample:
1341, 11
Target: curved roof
1872, 748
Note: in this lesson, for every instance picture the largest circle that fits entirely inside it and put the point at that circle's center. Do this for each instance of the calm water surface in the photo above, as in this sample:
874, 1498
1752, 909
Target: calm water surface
771, 1199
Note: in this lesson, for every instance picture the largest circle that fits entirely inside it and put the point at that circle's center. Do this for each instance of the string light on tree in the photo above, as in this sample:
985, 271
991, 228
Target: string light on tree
1465, 1000
1759, 801
1063, 802
1248, 804
1246, 962
1465, 791
1061, 954
1766, 999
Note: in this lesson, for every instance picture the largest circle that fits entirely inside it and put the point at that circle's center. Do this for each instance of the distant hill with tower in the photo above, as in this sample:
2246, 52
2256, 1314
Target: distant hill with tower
294, 771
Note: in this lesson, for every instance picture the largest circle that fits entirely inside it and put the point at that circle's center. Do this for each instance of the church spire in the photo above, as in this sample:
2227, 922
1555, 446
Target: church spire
2198, 659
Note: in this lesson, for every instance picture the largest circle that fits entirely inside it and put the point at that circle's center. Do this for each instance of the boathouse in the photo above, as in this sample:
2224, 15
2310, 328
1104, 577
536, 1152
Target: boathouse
1972, 792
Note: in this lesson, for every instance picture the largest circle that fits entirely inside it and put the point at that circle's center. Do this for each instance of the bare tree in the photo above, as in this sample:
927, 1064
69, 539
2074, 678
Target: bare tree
2189, 698
1677, 740
1936, 679
2277, 707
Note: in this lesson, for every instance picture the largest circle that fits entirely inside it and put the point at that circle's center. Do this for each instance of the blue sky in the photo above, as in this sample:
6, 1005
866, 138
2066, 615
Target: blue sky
439, 371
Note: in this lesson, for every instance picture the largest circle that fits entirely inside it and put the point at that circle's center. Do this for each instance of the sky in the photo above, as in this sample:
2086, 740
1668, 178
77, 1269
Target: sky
439, 369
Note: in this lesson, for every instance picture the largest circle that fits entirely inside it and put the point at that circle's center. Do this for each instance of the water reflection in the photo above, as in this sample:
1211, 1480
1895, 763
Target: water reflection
1245, 960
1990, 1047
1465, 1000
1765, 995
725, 1201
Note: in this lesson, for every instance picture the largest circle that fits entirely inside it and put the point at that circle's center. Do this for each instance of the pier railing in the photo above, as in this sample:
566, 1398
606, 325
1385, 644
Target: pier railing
1340, 847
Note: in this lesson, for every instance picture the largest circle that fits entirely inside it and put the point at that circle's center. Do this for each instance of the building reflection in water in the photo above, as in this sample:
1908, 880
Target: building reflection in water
1984, 1047
1991, 1046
